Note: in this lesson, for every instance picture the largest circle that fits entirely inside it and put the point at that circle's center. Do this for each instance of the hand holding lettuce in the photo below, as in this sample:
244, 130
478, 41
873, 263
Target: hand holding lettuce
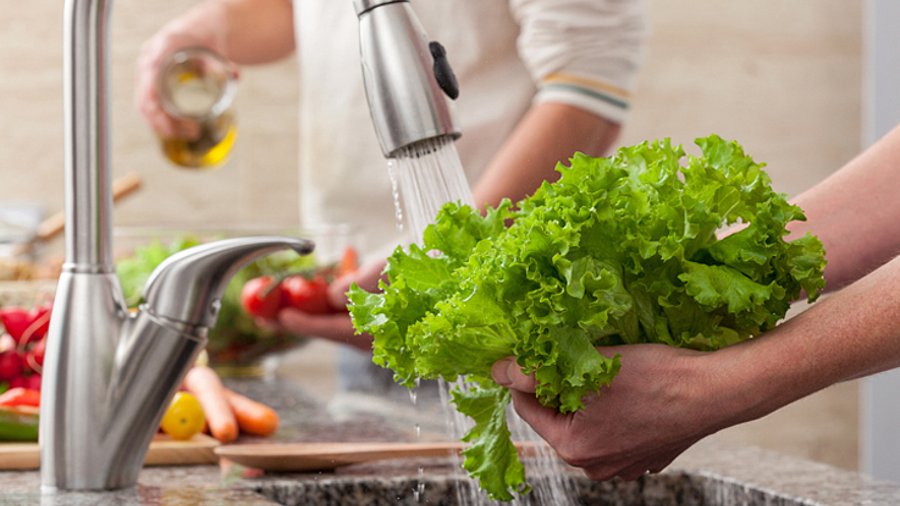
619, 250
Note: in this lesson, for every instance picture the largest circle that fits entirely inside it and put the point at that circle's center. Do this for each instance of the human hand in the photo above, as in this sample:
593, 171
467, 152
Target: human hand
336, 327
199, 28
660, 403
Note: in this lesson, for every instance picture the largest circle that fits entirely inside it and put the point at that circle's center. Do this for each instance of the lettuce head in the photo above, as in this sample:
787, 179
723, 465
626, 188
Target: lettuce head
631, 248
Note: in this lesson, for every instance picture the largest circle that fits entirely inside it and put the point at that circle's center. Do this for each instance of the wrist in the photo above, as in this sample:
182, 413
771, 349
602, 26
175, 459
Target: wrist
753, 378
711, 393
695, 390
205, 25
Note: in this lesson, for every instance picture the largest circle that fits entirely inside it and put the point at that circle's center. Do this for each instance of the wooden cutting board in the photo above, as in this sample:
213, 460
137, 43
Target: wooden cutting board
163, 451
328, 456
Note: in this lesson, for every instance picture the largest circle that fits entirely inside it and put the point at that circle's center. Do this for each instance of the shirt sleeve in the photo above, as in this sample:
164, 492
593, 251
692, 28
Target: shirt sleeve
584, 53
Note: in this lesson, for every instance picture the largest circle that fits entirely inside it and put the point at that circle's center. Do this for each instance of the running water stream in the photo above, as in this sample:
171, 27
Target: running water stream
425, 176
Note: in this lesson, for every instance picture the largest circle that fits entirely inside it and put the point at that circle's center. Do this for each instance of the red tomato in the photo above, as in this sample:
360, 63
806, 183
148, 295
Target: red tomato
261, 297
307, 295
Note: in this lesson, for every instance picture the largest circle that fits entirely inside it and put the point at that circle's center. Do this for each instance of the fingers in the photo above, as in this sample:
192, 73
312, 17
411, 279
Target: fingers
146, 93
187, 129
620, 432
148, 104
335, 327
369, 274
547, 422
328, 326
337, 290
234, 70
507, 373
631, 471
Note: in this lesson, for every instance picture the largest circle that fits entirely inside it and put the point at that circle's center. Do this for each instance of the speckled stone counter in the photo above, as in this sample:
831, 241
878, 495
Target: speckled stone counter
170, 486
708, 474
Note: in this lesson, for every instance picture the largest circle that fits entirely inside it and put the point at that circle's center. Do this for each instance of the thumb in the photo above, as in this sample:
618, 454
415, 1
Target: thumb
507, 373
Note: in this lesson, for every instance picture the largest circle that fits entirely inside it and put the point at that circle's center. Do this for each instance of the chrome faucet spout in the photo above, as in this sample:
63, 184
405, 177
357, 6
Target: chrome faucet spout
408, 79
109, 373
173, 293
88, 181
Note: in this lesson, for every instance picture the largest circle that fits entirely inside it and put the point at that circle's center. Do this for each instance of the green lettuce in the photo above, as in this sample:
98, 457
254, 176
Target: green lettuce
619, 250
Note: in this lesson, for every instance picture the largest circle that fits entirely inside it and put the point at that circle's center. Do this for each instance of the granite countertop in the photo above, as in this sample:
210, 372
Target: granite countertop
708, 474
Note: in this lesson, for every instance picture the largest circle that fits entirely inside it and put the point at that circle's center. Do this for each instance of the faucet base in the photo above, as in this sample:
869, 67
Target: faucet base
102, 395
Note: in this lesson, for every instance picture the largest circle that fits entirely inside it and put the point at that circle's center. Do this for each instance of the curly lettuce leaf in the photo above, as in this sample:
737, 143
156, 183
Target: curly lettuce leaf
619, 250
492, 449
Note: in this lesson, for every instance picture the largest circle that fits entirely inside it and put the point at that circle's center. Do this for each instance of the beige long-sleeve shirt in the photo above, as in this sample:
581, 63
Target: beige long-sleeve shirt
506, 54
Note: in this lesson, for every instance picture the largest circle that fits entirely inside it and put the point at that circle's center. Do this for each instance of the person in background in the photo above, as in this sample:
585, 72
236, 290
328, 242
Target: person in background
539, 80
666, 399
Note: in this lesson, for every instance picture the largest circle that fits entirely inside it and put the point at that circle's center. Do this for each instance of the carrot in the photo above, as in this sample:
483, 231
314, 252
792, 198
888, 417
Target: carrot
206, 386
252, 417
349, 261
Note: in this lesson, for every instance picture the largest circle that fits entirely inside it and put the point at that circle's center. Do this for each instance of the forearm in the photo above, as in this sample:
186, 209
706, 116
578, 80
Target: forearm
852, 333
245, 31
856, 213
548, 133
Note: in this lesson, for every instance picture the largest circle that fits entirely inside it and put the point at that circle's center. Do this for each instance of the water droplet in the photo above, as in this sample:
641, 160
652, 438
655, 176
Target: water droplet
395, 194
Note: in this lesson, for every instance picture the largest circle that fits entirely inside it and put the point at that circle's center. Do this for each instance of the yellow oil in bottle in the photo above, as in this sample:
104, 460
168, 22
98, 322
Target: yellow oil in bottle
211, 149
197, 93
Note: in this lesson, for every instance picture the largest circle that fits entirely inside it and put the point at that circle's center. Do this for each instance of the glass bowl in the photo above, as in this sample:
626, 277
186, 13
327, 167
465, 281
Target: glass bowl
237, 345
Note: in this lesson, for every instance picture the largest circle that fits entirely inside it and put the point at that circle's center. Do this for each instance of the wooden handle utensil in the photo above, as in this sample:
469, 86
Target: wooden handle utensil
55, 224
328, 456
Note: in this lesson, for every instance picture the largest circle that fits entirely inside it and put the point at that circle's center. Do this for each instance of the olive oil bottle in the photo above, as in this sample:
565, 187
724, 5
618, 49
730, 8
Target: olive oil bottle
197, 89
210, 150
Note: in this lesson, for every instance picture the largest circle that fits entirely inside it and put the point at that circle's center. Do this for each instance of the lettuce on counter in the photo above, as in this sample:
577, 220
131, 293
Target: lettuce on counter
619, 250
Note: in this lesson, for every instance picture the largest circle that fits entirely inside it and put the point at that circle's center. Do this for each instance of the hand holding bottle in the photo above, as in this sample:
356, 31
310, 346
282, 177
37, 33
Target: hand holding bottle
185, 89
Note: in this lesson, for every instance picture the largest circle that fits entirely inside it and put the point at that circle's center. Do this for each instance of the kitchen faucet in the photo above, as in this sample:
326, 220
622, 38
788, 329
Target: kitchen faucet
406, 78
110, 373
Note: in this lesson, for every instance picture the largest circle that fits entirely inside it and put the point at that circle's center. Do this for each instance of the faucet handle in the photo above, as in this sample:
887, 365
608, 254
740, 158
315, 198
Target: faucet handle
187, 287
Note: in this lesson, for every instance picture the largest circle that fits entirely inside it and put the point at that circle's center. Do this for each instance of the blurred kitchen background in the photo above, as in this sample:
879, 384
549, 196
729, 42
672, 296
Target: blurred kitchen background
786, 79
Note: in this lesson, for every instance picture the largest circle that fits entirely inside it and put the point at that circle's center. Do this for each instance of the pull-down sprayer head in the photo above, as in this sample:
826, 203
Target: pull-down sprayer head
406, 76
